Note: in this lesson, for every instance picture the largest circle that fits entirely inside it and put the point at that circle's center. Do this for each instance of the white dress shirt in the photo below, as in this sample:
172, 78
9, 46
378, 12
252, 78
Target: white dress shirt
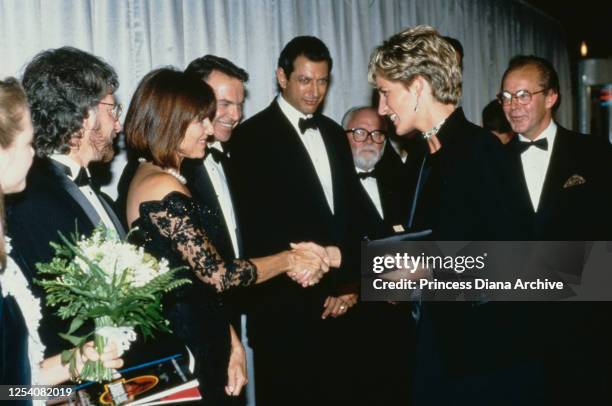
87, 191
219, 182
535, 163
313, 142
371, 187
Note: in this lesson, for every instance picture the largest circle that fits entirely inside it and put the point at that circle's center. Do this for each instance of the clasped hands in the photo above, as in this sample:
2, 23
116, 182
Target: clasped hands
310, 261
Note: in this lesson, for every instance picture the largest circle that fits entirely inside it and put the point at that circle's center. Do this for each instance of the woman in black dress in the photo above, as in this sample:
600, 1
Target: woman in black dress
169, 119
466, 353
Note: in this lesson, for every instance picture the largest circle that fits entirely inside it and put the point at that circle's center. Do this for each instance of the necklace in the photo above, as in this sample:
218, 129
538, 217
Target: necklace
428, 134
170, 171
178, 176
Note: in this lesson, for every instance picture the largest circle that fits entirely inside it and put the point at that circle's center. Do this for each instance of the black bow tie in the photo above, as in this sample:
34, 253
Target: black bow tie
305, 124
365, 175
217, 155
525, 145
82, 178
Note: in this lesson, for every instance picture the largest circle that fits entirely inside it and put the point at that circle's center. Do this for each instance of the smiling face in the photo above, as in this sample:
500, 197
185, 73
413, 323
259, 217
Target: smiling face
229, 92
397, 102
366, 154
194, 142
15, 161
532, 118
306, 86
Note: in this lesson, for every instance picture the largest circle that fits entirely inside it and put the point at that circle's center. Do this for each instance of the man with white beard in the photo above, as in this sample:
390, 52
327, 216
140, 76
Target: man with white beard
367, 135
385, 212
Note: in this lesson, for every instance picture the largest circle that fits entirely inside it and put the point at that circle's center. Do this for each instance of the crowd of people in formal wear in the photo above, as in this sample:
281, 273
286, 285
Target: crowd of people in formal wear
268, 217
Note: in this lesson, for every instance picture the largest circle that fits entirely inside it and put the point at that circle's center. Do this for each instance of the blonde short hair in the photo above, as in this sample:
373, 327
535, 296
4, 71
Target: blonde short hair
419, 51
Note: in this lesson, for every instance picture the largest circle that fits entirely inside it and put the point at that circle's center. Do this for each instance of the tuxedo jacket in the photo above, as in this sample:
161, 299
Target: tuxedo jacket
576, 198
394, 206
396, 181
50, 204
280, 200
575, 205
203, 191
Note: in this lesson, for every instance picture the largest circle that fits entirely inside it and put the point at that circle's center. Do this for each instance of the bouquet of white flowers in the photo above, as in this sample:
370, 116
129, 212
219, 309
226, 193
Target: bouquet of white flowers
113, 283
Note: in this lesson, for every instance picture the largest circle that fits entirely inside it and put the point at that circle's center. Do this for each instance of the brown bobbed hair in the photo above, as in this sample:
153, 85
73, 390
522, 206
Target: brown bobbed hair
165, 102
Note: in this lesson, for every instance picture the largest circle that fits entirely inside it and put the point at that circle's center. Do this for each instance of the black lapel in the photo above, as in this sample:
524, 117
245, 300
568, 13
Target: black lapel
58, 170
335, 163
517, 170
558, 171
201, 187
291, 146
109, 207
385, 192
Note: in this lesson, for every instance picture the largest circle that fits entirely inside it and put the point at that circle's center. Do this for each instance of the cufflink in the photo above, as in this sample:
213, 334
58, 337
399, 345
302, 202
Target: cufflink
398, 228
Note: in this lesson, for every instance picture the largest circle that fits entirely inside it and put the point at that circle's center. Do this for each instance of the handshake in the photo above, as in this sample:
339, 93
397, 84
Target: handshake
310, 261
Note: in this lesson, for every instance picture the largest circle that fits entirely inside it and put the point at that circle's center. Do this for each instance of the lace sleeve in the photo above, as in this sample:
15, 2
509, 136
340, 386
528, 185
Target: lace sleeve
177, 220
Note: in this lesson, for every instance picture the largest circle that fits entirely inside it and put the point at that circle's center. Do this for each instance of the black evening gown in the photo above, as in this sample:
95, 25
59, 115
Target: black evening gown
180, 230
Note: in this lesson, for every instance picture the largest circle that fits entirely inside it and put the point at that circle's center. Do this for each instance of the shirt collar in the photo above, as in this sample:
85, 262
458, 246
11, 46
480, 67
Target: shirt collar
69, 162
291, 112
549, 132
216, 144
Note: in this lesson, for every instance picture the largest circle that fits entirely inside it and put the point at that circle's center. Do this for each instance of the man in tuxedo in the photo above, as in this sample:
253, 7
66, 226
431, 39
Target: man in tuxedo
565, 179
384, 213
210, 183
76, 119
209, 180
565, 175
387, 209
295, 182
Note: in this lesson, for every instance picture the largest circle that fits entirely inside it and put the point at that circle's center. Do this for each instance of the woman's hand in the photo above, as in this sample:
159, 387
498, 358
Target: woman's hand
309, 262
236, 369
54, 372
110, 356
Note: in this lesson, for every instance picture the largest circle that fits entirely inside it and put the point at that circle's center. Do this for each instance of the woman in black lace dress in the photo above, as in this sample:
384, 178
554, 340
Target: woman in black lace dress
169, 119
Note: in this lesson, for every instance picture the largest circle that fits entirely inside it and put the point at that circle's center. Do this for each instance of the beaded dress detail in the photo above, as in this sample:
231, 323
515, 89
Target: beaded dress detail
180, 230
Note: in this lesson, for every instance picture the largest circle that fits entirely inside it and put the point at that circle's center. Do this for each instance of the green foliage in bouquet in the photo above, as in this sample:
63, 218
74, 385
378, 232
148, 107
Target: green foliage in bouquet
111, 282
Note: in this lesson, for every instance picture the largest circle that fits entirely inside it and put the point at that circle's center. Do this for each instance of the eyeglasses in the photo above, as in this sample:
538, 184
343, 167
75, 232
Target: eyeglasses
115, 110
361, 135
522, 96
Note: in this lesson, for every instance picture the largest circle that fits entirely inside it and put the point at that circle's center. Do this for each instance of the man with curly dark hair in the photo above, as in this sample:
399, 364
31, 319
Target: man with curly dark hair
75, 118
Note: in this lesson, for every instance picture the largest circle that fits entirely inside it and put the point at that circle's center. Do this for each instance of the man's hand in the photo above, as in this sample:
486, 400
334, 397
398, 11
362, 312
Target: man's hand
336, 306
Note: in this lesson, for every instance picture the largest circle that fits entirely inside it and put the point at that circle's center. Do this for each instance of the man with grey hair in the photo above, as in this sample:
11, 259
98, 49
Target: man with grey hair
383, 213
366, 132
